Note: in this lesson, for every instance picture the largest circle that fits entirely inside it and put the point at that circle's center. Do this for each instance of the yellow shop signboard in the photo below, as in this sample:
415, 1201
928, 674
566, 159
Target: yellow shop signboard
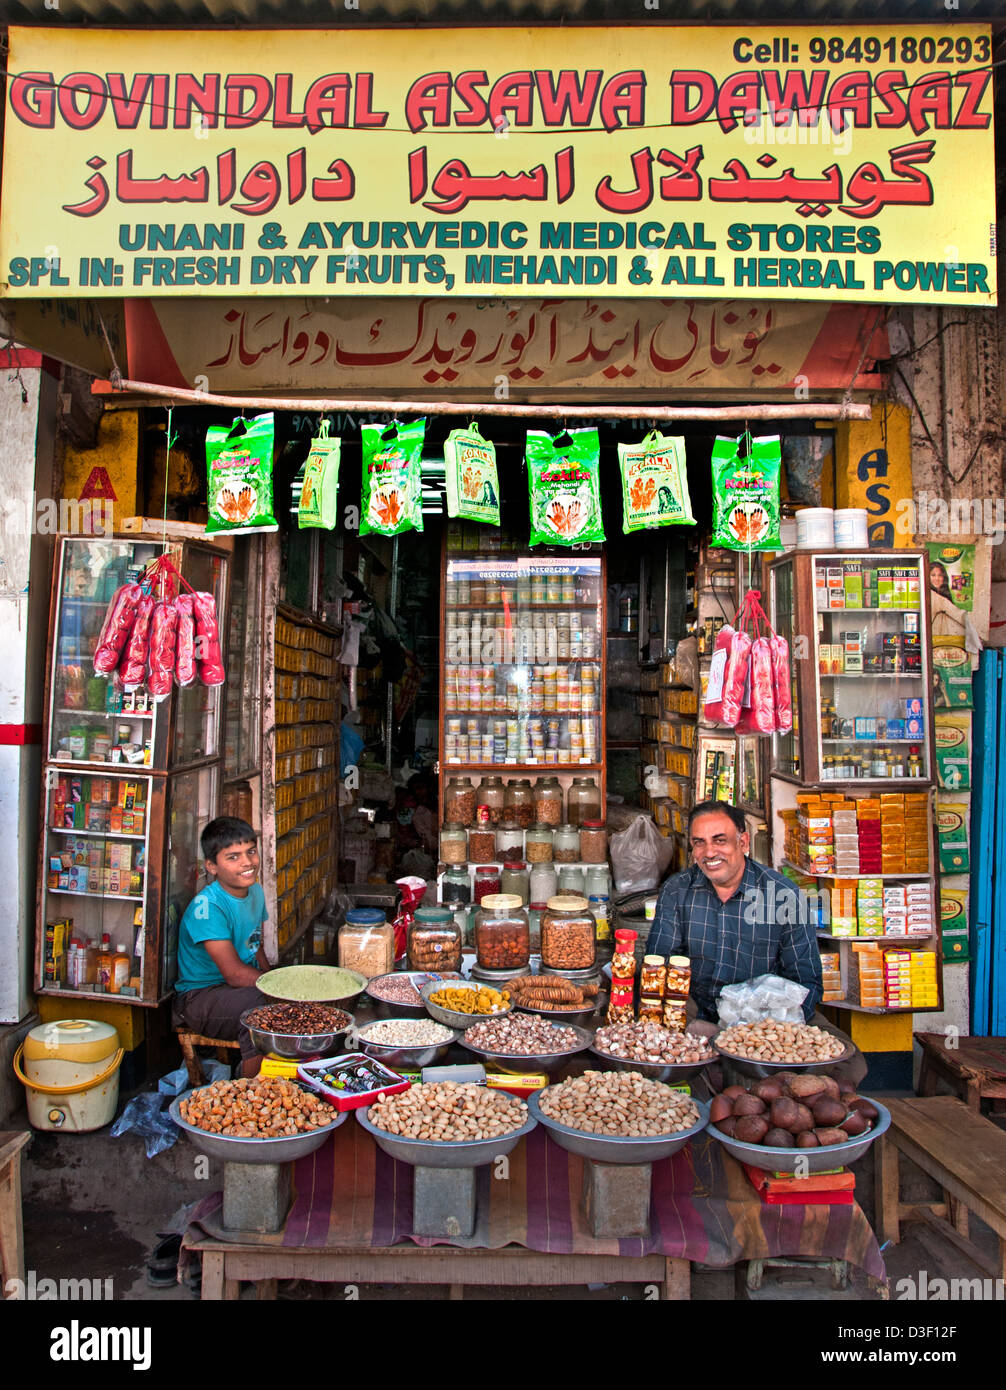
816, 163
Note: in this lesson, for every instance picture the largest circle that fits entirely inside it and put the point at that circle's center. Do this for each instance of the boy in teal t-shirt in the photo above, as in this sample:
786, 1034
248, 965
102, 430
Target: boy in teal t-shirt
220, 954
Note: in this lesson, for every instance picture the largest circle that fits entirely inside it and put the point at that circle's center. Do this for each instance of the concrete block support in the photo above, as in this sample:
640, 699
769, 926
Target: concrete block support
616, 1198
443, 1202
257, 1196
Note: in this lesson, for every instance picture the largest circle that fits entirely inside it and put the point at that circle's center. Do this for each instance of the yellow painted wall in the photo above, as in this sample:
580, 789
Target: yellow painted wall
128, 1021
116, 457
874, 470
874, 1032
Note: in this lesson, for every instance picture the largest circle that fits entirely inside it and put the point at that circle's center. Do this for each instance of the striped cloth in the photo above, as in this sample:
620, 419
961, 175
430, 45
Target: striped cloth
704, 1209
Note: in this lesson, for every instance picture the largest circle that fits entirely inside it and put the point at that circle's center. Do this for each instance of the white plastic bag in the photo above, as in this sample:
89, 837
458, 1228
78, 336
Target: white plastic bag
766, 996
639, 856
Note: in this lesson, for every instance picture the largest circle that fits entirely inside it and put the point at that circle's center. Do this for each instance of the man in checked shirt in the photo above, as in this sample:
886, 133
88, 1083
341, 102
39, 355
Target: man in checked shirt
736, 919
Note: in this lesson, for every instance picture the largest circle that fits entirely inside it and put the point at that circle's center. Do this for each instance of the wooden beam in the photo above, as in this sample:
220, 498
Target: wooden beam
844, 410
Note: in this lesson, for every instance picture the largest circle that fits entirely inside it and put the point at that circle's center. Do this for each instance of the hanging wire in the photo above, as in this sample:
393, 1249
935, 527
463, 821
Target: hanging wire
170, 441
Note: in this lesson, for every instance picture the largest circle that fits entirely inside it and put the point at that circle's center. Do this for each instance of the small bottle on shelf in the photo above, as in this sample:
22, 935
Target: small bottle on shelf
120, 969
105, 960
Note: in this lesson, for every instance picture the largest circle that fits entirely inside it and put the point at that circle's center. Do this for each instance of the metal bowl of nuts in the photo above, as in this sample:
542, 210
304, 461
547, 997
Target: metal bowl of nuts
495, 1006
495, 1121
224, 1105
521, 1042
761, 1049
580, 1014
652, 1051
296, 1031
616, 1106
397, 995
411, 1043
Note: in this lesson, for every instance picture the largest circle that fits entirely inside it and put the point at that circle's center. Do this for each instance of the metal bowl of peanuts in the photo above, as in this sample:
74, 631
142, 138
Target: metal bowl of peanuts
459, 1003
411, 1043
632, 1119
259, 1119
762, 1048
652, 1050
522, 1042
397, 995
447, 1125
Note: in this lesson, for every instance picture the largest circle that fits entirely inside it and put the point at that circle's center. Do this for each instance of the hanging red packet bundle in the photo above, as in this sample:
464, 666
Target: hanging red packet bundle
133, 666
749, 678
712, 710
781, 685
735, 678
758, 716
185, 644
210, 662
115, 630
161, 660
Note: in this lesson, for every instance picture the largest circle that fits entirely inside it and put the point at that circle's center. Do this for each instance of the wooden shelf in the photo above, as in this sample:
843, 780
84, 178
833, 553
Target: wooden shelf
886, 940
881, 1008
521, 607
809, 873
97, 834
548, 768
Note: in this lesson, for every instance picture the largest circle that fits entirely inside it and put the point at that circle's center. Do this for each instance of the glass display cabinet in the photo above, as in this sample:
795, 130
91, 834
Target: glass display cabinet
854, 817
858, 631
523, 663
128, 782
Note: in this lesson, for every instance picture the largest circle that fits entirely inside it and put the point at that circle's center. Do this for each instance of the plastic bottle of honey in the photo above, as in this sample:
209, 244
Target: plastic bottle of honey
120, 969
105, 962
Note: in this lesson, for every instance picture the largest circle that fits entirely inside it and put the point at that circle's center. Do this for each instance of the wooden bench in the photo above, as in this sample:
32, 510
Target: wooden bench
965, 1153
973, 1068
188, 1042
225, 1266
11, 1229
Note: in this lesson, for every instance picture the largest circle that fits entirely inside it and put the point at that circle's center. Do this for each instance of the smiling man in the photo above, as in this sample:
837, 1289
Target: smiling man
220, 954
733, 918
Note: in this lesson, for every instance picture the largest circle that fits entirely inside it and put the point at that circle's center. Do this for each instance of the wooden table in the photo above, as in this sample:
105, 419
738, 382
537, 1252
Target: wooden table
224, 1265
11, 1229
965, 1153
974, 1068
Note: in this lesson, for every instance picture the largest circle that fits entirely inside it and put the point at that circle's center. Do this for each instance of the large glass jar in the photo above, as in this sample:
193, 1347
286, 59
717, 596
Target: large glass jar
583, 801
367, 942
487, 881
434, 940
566, 844
519, 801
459, 801
502, 933
597, 887
509, 839
515, 880
481, 843
453, 843
543, 884
548, 800
489, 800
538, 844
571, 880
567, 934
593, 842
455, 888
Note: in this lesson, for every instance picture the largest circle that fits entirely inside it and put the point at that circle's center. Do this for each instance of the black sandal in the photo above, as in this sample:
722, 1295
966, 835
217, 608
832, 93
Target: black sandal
162, 1266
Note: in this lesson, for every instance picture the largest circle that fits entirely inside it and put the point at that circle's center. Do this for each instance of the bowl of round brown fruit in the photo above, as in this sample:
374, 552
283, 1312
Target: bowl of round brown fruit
796, 1122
